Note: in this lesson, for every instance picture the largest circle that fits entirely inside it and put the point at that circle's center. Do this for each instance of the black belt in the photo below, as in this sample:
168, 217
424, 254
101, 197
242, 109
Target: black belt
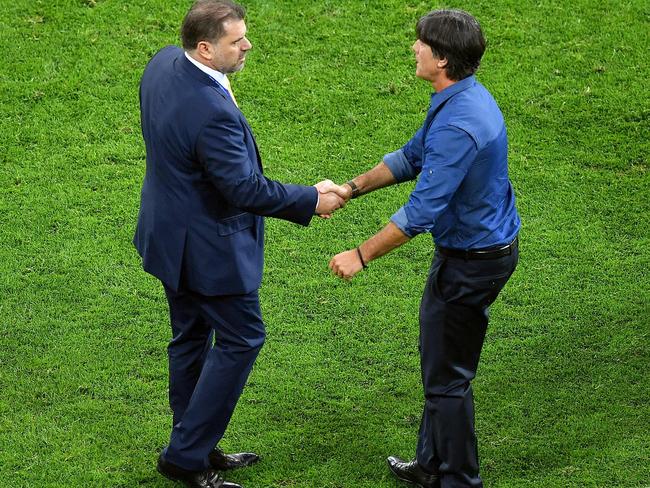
487, 253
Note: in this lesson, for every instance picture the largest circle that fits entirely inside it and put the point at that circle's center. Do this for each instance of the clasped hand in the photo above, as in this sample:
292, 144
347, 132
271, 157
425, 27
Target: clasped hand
331, 197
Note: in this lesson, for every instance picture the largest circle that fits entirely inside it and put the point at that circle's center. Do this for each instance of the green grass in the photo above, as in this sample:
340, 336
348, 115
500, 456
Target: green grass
563, 387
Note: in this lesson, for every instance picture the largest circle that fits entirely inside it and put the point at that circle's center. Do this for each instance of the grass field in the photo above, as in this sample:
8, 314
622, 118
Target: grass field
563, 389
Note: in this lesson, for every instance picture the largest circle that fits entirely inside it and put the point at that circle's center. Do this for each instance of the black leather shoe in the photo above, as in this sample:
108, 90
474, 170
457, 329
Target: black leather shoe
413, 473
194, 479
221, 461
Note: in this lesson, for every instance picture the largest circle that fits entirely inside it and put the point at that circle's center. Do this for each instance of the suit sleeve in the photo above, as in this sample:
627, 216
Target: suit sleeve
221, 150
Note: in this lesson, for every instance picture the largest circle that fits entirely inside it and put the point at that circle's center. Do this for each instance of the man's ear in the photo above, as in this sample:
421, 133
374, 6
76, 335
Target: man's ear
204, 50
442, 63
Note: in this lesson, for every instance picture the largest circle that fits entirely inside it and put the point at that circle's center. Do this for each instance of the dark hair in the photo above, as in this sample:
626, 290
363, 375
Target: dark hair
456, 36
205, 19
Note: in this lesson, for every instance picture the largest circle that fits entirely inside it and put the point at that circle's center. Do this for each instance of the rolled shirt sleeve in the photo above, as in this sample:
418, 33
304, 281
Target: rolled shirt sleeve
406, 162
399, 166
448, 155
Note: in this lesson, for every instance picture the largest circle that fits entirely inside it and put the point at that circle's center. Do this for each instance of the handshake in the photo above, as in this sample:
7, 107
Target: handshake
331, 197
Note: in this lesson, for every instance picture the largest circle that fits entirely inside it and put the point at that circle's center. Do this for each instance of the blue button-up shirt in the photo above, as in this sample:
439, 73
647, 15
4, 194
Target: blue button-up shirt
463, 196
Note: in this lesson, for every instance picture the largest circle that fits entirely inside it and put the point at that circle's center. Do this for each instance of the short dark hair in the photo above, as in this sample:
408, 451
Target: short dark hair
456, 36
205, 21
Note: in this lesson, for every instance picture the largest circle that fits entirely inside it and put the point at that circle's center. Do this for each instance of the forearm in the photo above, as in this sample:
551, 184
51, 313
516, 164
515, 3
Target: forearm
384, 241
378, 177
349, 263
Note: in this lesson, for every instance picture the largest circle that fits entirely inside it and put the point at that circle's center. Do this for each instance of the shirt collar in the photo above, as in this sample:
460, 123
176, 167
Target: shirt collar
439, 98
217, 75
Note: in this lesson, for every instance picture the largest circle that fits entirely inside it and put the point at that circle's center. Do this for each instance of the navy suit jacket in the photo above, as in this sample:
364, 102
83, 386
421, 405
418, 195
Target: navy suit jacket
200, 224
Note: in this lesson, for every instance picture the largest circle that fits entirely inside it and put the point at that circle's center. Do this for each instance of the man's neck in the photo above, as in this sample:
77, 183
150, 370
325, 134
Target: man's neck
441, 83
216, 74
193, 54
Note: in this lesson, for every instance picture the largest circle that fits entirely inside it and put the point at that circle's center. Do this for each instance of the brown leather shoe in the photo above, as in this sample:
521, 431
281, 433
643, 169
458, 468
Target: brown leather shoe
193, 479
221, 461
411, 472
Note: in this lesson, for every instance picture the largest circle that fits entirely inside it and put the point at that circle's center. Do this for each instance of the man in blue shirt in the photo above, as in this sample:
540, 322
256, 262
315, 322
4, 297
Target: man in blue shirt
463, 197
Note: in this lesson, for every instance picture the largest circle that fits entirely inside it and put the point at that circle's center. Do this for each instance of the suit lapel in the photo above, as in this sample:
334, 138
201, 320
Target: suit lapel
187, 67
252, 136
199, 75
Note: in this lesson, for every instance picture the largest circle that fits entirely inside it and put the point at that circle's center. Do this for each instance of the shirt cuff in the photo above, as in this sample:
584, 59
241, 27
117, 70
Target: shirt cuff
401, 221
399, 165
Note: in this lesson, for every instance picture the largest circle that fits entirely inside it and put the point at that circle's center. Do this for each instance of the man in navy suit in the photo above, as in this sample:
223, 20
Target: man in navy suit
201, 230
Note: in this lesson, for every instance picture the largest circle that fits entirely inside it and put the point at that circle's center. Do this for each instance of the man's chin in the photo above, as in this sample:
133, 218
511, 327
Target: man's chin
238, 67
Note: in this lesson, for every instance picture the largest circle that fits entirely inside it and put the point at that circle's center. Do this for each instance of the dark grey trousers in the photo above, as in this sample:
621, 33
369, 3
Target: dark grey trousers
453, 322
